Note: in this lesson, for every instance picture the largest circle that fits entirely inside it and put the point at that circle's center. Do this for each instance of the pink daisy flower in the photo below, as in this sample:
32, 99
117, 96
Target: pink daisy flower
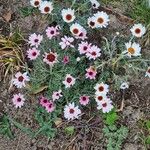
33, 53
71, 111
84, 100
35, 40
66, 42
91, 73
50, 106
18, 100
50, 58
52, 32
20, 79
84, 47
69, 81
43, 101
57, 95
66, 59
94, 52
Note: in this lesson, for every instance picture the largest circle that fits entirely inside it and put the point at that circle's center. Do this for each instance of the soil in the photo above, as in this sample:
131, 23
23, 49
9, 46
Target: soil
137, 98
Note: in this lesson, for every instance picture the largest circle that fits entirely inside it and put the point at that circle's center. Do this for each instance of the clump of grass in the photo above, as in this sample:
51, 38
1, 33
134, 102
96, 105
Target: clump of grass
11, 54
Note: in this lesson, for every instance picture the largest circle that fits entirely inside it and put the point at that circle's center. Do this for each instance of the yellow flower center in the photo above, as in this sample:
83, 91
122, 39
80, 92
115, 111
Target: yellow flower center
131, 50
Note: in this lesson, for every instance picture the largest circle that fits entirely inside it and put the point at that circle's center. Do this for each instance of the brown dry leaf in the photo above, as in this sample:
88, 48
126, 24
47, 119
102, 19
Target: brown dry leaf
40, 89
58, 121
7, 16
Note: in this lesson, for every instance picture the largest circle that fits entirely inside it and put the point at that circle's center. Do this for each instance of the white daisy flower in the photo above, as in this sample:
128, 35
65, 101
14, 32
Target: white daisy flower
133, 49
76, 29
20, 79
71, 111
82, 35
124, 86
50, 58
93, 52
148, 72
105, 105
101, 88
18, 100
69, 81
102, 19
57, 95
68, 15
95, 4
35, 3
46, 7
84, 47
92, 22
138, 30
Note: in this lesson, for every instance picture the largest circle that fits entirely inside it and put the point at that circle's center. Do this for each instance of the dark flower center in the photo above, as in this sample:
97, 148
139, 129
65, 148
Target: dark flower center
84, 98
71, 111
85, 48
36, 40
69, 80
90, 73
51, 57
52, 32
137, 30
75, 31
148, 71
19, 99
21, 78
104, 104
34, 54
36, 3
100, 98
46, 9
100, 20
45, 101
50, 105
68, 17
93, 53
92, 23
101, 88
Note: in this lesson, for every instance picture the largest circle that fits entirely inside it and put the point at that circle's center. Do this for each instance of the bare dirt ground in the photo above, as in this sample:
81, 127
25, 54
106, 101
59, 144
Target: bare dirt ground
137, 99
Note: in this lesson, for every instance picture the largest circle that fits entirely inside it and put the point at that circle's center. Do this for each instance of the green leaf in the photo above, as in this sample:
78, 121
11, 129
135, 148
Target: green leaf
70, 130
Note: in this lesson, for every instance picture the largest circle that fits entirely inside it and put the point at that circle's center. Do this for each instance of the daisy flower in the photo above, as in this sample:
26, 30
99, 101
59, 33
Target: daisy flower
50, 106
124, 86
50, 58
101, 97
46, 7
69, 81
133, 49
18, 100
102, 19
35, 40
76, 29
33, 53
84, 100
84, 47
105, 105
138, 30
71, 111
91, 73
148, 72
68, 15
92, 22
52, 32
66, 42
95, 4
20, 79
35, 3
101, 88
66, 60
57, 95
43, 101
94, 52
